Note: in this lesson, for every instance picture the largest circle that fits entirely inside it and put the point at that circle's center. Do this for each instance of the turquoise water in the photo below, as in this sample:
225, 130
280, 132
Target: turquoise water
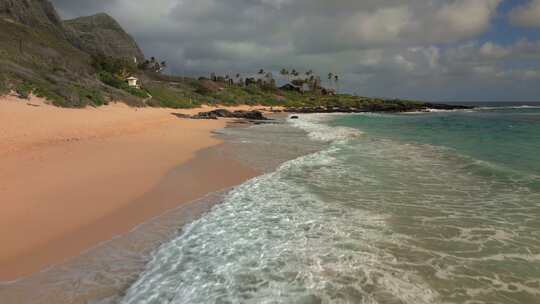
507, 137
411, 208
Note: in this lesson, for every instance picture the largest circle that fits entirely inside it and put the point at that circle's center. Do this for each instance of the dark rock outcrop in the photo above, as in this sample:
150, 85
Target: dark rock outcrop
101, 35
440, 106
397, 107
215, 114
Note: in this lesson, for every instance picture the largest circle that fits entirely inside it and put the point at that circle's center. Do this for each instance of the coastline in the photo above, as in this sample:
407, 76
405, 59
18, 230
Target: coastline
89, 175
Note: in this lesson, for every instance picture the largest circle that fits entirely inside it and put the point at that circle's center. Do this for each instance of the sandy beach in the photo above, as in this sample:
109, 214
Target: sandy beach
72, 178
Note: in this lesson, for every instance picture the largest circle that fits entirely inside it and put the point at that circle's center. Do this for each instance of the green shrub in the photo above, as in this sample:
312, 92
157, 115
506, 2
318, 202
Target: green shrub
93, 96
166, 96
135, 92
111, 80
50, 95
113, 65
4, 87
24, 90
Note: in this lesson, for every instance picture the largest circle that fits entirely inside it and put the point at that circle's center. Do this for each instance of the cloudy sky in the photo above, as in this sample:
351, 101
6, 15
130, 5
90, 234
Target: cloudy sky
427, 49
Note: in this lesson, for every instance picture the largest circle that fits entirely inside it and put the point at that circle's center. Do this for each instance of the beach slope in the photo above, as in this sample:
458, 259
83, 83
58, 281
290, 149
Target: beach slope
72, 178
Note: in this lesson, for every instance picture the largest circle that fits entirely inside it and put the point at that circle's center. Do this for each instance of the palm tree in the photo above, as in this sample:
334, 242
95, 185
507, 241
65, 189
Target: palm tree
161, 66
330, 78
261, 71
285, 73
336, 78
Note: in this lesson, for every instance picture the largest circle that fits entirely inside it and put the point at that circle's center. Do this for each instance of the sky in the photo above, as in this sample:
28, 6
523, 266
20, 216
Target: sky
434, 50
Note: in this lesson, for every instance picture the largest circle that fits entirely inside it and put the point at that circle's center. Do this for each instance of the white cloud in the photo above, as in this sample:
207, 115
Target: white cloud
527, 15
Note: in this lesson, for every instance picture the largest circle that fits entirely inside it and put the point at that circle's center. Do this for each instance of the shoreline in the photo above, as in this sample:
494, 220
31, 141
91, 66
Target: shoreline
91, 184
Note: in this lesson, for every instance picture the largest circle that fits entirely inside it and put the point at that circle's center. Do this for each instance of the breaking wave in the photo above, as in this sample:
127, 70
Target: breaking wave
317, 129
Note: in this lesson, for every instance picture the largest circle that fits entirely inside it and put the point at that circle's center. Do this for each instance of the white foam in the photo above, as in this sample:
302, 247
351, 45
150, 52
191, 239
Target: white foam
274, 240
509, 107
317, 129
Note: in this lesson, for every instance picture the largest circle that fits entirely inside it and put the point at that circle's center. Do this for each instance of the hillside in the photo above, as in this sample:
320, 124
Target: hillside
37, 54
31, 12
85, 61
101, 35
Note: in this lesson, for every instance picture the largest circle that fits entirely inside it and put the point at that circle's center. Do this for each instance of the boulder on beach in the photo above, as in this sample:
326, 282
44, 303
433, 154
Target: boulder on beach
215, 114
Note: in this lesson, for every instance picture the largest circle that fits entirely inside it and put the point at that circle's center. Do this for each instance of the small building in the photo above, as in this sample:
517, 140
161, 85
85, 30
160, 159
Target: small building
133, 82
328, 91
291, 87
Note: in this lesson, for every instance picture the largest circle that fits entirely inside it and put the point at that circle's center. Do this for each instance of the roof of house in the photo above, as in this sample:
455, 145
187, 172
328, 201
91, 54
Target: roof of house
289, 85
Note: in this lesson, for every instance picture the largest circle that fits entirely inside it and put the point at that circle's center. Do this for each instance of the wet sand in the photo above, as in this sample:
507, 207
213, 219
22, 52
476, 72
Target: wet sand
71, 179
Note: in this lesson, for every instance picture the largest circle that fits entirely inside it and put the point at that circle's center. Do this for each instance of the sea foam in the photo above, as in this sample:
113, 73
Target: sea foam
317, 129
277, 239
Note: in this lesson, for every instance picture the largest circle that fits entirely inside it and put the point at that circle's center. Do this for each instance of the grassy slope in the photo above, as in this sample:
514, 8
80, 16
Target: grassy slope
180, 92
50, 66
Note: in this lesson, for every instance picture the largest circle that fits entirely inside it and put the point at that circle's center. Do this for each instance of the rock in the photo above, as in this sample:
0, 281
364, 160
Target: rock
213, 114
438, 106
250, 115
388, 107
101, 35
294, 117
33, 13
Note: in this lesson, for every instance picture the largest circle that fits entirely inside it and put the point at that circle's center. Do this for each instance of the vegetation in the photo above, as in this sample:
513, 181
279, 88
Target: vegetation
4, 87
23, 90
172, 97
43, 62
153, 65
114, 72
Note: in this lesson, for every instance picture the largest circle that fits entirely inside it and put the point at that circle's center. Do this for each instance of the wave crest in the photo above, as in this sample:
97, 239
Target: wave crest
317, 129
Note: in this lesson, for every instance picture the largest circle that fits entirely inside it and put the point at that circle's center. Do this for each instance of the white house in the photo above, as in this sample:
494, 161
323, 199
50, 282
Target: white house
133, 82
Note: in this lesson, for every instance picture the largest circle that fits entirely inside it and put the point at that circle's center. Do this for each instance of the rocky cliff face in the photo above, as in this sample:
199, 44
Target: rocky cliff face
96, 35
102, 35
40, 51
30, 12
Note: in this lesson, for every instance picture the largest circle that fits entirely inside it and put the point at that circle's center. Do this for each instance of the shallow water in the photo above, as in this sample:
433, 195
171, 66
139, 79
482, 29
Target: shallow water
423, 208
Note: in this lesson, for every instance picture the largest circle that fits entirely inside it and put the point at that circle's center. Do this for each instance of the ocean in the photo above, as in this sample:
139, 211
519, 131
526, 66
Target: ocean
440, 207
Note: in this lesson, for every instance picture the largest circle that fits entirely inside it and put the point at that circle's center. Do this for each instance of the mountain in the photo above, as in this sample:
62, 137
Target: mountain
30, 12
101, 35
55, 59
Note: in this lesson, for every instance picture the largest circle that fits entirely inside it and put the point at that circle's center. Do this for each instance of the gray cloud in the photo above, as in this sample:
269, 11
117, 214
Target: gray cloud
416, 49
527, 15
